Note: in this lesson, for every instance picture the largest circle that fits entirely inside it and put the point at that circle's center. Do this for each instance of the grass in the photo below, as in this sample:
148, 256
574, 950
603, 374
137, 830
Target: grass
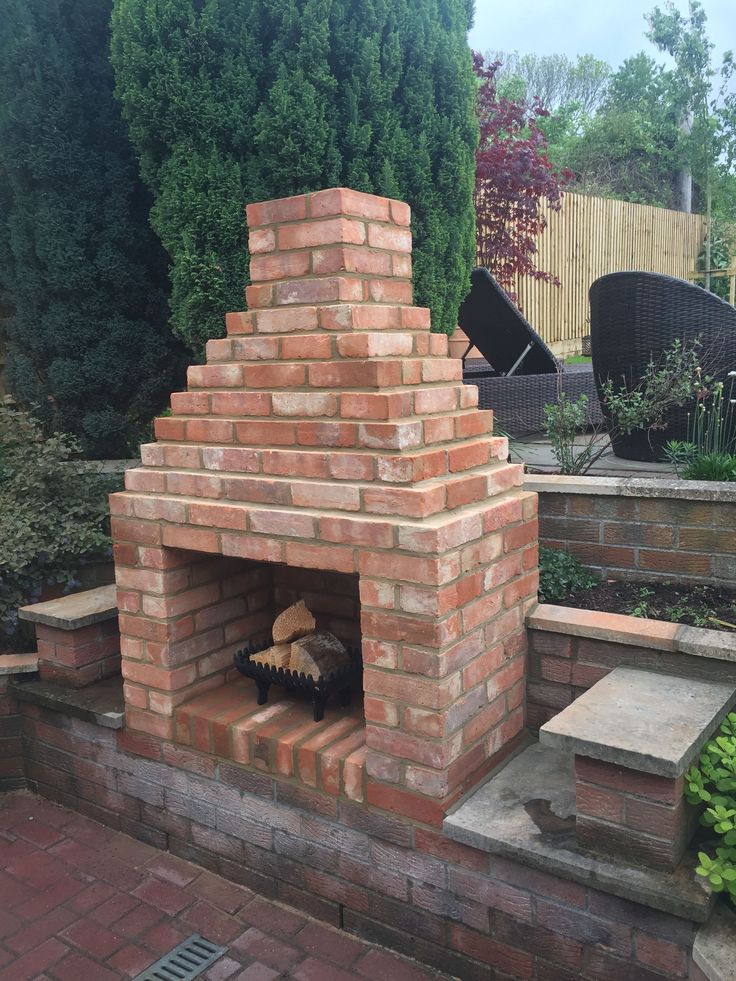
578, 359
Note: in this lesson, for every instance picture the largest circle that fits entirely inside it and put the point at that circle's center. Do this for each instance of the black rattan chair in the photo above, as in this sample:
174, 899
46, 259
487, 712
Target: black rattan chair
519, 375
634, 317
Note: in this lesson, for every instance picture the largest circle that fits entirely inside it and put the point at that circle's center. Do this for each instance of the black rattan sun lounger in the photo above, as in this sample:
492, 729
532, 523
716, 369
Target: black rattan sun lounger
519, 375
502, 335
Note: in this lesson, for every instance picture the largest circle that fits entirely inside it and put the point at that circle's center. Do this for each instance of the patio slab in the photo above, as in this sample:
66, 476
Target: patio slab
650, 722
536, 452
80, 901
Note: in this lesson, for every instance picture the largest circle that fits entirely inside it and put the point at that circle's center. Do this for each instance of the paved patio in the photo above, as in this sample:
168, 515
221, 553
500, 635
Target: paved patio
536, 452
79, 902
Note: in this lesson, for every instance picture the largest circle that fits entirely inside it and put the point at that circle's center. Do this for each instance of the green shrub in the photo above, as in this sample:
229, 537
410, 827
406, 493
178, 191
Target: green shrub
560, 575
672, 380
53, 516
235, 101
711, 466
89, 348
713, 786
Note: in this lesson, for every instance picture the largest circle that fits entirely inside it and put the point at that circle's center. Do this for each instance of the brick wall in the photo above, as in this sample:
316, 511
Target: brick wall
11, 751
647, 537
390, 879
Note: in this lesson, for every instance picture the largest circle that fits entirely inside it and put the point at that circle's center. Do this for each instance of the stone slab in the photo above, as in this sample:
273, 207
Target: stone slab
75, 610
651, 722
11, 664
666, 487
714, 950
526, 812
101, 703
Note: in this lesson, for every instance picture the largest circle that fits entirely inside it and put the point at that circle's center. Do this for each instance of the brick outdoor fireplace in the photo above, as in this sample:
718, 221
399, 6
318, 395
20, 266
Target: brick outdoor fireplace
329, 449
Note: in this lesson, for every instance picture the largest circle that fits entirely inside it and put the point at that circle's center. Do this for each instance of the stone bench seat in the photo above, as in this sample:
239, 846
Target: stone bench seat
634, 734
78, 636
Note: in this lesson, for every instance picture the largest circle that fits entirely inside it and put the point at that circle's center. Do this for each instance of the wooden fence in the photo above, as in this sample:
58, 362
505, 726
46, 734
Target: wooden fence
590, 237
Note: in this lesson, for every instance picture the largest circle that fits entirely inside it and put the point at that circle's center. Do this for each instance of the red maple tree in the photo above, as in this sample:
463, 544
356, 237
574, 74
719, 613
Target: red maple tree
513, 176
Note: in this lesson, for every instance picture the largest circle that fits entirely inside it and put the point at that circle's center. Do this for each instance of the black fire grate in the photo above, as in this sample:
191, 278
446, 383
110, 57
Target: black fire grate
338, 682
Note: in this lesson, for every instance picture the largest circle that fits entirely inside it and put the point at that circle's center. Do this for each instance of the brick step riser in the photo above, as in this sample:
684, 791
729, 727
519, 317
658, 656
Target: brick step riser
328, 434
355, 374
333, 318
354, 406
453, 491
327, 347
328, 290
386, 468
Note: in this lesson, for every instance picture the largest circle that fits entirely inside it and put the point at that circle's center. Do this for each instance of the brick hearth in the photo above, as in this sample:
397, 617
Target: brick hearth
280, 738
330, 431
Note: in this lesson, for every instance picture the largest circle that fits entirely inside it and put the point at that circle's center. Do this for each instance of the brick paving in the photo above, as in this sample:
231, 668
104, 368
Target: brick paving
80, 902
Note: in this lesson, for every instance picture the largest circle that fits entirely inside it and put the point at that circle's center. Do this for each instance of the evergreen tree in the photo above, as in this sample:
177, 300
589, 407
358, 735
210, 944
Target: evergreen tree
232, 101
89, 348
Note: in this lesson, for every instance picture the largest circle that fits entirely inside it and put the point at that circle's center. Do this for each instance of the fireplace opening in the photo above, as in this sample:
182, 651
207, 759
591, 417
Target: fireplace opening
280, 735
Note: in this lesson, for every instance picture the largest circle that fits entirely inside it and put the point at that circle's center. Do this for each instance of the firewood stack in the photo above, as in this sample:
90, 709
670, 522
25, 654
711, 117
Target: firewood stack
300, 647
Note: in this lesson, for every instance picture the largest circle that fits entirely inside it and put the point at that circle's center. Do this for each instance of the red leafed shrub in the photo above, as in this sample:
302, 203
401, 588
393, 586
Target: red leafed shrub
513, 176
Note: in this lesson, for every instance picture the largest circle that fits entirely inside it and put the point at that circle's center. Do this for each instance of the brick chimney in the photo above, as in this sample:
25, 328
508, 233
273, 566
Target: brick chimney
330, 431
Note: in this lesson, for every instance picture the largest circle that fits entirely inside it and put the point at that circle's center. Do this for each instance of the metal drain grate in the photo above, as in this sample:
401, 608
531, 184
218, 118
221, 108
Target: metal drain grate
187, 961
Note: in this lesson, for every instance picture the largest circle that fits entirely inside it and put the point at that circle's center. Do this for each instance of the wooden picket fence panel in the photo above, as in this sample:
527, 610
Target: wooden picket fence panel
592, 236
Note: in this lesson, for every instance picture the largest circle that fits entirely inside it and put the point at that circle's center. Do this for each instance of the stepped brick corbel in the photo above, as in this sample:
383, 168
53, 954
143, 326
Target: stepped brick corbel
329, 431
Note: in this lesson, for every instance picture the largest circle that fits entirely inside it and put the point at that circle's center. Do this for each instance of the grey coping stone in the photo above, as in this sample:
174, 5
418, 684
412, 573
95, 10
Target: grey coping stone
75, 610
101, 703
650, 487
619, 628
714, 950
526, 812
648, 721
11, 664
703, 642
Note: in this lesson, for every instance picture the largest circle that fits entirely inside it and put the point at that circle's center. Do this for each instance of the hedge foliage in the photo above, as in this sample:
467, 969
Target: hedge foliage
233, 101
54, 516
89, 346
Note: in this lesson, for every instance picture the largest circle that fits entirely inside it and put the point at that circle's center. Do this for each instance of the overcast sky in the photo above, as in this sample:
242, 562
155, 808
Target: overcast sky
609, 30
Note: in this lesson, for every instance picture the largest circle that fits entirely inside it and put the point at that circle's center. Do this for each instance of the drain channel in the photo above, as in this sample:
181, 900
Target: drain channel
186, 961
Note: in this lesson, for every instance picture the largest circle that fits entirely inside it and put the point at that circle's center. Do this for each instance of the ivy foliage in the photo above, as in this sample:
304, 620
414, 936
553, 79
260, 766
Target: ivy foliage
234, 101
712, 785
561, 575
53, 514
89, 347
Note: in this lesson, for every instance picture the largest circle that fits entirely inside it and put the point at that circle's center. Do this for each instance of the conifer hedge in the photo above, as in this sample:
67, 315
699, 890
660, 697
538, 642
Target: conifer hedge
89, 348
231, 101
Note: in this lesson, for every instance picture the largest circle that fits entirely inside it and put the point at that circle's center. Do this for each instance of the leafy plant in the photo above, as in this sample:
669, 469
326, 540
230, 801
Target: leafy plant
53, 514
712, 466
713, 786
560, 574
708, 452
643, 607
670, 381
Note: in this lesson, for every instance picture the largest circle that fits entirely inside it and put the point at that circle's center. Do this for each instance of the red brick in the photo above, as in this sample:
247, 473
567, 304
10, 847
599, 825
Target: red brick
660, 789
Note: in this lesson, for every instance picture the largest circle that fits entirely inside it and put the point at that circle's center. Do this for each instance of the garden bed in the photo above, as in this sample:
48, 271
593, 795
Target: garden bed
697, 606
